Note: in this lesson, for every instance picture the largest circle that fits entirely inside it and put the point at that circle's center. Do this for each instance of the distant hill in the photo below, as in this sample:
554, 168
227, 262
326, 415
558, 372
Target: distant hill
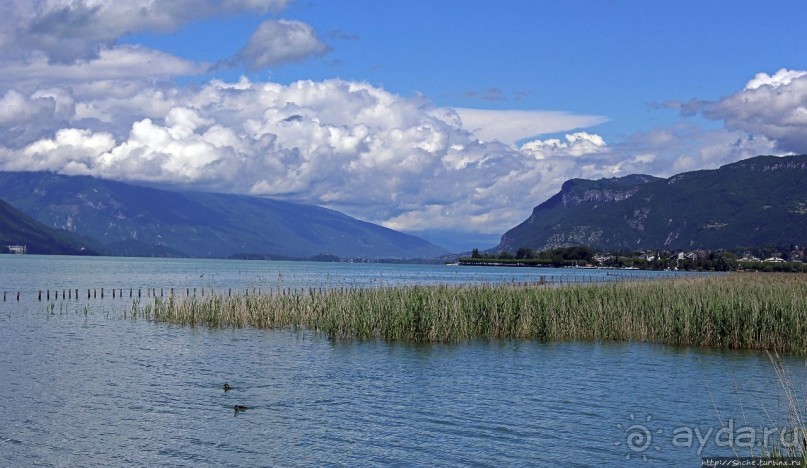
17, 228
134, 220
755, 202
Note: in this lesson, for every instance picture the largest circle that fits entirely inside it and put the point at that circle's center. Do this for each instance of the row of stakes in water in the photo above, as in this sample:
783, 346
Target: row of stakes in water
70, 294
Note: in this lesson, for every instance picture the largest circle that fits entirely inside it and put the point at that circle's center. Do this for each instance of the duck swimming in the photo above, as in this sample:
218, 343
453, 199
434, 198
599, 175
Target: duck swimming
239, 408
227, 387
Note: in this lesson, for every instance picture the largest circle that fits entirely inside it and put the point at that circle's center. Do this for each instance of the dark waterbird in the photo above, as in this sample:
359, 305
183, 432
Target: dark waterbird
239, 408
227, 387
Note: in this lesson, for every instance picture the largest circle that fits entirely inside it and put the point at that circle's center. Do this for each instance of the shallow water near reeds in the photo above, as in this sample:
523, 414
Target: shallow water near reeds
82, 386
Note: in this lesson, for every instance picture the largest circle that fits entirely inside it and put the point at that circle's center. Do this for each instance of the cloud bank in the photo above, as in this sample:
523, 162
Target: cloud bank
773, 107
66, 31
401, 162
74, 101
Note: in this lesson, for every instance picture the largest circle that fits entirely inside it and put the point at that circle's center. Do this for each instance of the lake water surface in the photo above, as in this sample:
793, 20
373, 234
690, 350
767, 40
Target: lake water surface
85, 387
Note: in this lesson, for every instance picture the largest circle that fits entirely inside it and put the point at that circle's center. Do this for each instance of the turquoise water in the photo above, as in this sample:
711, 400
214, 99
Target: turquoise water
100, 390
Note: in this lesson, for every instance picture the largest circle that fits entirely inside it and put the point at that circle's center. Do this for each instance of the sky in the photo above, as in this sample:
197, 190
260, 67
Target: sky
445, 119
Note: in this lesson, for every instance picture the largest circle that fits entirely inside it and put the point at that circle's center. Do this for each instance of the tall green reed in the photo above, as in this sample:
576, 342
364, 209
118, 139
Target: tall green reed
749, 311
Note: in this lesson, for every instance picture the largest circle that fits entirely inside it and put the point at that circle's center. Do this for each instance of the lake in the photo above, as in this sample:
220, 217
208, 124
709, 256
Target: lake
82, 386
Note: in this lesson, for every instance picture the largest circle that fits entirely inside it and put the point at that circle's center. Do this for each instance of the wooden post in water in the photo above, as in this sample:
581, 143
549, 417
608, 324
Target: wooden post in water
18, 296
102, 293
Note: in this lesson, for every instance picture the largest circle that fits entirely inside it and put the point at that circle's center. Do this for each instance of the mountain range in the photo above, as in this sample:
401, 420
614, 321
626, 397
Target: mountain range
17, 228
755, 202
134, 220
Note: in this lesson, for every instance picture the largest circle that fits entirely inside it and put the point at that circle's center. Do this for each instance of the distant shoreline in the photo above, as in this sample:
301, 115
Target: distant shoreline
781, 267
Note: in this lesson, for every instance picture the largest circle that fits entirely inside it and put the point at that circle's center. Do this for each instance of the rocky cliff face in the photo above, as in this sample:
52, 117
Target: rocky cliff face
597, 196
758, 201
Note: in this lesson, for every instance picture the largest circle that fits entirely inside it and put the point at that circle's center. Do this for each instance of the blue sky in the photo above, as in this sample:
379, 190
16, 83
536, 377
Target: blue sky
610, 58
373, 107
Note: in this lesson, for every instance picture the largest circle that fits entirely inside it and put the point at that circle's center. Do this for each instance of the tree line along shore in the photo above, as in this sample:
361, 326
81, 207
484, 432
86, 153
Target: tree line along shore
790, 259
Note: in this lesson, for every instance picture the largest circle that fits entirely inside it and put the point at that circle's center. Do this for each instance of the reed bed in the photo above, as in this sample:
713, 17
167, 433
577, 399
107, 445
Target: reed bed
736, 311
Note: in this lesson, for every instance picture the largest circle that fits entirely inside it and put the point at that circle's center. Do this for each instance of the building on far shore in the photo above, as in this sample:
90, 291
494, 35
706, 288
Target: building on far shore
18, 249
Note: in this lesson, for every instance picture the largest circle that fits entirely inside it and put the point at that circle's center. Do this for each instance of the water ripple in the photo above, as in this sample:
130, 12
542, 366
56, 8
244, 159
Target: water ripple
90, 391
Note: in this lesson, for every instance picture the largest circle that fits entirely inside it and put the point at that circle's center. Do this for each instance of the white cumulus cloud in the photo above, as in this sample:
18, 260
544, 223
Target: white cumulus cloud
347, 145
277, 42
70, 30
17, 108
783, 77
773, 107
351, 146
575, 144
122, 63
